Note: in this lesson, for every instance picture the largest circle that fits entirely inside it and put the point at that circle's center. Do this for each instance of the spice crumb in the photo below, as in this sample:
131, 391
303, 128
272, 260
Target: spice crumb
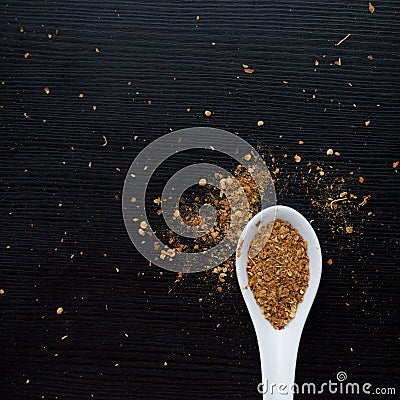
46, 90
248, 70
260, 123
329, 152
329, 262
367, 123
60, 310
207, 113
338, 62
342, 40
371, 7
202, 182
297, 158
143, 224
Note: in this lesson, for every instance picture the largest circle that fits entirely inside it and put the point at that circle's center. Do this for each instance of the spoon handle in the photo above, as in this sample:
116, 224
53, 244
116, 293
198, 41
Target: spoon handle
278, 365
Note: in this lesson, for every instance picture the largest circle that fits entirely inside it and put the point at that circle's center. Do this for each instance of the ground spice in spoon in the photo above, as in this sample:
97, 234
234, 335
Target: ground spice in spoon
279, 273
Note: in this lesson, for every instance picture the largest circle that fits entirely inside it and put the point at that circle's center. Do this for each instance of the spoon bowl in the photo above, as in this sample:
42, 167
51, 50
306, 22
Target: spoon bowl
278, 348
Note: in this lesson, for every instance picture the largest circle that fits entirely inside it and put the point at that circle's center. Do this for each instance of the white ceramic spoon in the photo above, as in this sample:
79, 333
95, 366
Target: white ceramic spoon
278, 348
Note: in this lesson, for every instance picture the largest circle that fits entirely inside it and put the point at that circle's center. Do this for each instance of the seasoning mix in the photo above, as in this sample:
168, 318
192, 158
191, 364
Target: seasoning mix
279, 272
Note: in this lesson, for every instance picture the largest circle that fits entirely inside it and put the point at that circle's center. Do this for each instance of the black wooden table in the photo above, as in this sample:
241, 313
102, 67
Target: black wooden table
86, 85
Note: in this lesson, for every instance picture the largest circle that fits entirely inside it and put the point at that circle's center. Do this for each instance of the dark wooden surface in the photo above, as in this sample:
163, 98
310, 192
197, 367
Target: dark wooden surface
49, 192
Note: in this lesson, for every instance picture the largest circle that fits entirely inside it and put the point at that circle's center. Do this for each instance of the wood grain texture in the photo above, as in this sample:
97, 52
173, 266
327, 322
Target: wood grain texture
44, 165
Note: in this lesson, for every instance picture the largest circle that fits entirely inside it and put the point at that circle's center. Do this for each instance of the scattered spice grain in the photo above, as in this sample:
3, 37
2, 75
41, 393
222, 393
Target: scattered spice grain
371, 7
297, 158
247, 157
342, 40
143, 224
248, 70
